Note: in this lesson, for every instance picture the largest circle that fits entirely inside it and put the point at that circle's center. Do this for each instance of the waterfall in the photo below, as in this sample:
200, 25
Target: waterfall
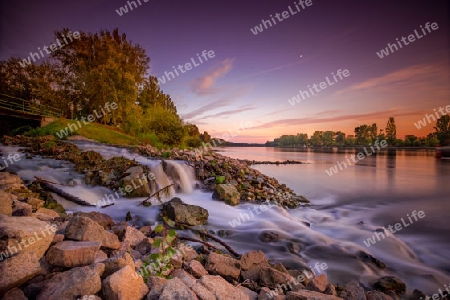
173, 172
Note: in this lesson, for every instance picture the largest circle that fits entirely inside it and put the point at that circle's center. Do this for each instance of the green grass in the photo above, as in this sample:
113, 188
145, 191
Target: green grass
100, 133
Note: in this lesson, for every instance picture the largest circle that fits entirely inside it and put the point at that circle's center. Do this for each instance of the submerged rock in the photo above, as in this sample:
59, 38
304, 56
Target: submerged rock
390, 284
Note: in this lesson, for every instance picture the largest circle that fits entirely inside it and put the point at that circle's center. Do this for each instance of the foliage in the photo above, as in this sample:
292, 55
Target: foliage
220, 179
167, 126
91, 71
160, 261
391, 131
193, 142
443, 130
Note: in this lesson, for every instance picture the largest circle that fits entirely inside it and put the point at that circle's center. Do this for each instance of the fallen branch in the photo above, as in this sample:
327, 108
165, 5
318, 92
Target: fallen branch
49, 187
50, 182
222, 243
157, 193
197, 241
201, 232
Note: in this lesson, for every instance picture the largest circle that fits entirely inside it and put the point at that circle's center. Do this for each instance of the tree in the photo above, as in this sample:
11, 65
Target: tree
391, 131
100, 68
151, 95
316, 139
443, 130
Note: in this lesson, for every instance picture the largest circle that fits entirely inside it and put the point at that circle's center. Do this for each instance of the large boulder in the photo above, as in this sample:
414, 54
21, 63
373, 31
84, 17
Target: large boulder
124, 284
353, 291
251, 264
5, 203
135, 184
176, 289
25, 234
221, 288
73, 283
71, 254
271, 278
102, 219
227, 193
183, 213
227, 267
85, 229
18, 269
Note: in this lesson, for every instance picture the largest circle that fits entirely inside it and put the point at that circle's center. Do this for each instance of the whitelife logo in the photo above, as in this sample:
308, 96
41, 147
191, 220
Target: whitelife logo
380, 235
284, 15
411, 38
53, 47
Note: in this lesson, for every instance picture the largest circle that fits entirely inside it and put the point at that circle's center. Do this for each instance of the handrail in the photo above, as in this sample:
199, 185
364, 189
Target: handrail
26, 106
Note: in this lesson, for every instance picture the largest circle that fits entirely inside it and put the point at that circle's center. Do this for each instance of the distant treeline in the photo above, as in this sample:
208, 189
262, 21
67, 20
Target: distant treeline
365, 135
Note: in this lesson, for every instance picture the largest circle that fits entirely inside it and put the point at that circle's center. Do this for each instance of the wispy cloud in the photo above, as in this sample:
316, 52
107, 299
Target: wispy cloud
229, 112
358, 117
223, 101
205, 85
406, 77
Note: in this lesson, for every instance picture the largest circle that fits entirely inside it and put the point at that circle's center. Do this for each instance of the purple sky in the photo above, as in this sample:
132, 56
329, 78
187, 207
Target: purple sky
251, 77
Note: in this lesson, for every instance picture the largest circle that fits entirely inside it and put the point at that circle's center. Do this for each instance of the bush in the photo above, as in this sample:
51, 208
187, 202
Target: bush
193, 142
166, 125
152, 139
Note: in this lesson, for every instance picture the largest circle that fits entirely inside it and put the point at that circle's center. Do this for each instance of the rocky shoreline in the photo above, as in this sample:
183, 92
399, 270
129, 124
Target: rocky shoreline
90, 256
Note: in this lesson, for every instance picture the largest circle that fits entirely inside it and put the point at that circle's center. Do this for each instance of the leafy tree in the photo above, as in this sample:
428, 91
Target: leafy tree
205, 137
316, 139
192, 130
100, 68
391, 131
151, 95
443, 130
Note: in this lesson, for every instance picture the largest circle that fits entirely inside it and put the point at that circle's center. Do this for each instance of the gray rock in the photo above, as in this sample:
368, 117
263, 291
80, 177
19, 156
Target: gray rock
181, 212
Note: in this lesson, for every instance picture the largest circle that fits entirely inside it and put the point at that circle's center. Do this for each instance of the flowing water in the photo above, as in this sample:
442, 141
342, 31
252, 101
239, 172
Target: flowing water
346, 209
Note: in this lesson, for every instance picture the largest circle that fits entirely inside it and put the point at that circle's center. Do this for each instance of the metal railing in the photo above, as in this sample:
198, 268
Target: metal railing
28, 107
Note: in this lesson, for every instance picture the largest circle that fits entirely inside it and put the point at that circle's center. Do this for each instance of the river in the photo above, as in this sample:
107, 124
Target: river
346, 209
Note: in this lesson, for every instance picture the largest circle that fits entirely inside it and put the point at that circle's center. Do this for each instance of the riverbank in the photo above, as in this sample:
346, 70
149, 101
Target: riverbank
211, 164
92, 256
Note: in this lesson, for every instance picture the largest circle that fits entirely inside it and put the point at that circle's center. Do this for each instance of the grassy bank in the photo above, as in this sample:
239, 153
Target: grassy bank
94, 131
